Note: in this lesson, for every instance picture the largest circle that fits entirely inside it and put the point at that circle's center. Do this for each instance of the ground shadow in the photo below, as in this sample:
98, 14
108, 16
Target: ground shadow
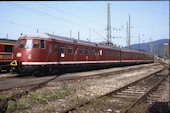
159, 107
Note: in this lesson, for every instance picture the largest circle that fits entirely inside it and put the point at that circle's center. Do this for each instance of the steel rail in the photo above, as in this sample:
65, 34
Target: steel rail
146, 94
66, 79
112, 92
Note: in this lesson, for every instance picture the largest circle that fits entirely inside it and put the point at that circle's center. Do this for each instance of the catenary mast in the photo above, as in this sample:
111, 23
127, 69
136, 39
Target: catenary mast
108, 24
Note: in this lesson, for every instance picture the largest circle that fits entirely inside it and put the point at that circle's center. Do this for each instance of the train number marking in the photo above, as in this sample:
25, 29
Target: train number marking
29, 56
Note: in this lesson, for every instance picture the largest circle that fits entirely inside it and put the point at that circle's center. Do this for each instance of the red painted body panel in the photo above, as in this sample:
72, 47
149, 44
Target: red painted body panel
43, 54
5, 56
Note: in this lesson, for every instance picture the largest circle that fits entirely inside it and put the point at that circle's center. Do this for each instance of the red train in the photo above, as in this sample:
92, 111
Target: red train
6, 55
42, 52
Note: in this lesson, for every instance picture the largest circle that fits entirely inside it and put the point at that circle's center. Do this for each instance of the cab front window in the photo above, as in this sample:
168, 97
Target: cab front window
28, 44
21, 43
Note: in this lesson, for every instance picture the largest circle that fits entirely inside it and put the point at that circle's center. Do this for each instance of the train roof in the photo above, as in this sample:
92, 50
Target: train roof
66, 39
73, 40
5, 40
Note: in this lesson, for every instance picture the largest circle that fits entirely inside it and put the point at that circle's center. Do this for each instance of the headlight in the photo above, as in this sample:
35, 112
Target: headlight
18, 54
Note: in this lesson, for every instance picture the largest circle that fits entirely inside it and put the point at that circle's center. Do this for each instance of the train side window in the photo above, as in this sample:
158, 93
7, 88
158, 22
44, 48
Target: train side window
21, 43
81, 50
62, 49
76, 49
42, 44
49, 47
55, 47
36, 43
107, 52
28, 44
87, 51
91, 51
95, 51
104, 52
101, 52
70, 49
8, 48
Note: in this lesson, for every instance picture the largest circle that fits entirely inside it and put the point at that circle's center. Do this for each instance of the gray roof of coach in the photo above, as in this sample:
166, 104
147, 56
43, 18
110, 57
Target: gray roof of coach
5, 40
66, 39
73, 40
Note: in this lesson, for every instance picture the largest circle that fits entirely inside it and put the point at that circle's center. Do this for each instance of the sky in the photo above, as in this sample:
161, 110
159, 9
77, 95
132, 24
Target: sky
150, 19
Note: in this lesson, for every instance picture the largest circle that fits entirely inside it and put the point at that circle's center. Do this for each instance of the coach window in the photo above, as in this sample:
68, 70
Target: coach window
107, 52
76, 49
91, 51
62, 49
8, 48
87, 51
49, 47
42, 44
104, 52
36, 43
55, 47
70, 49
21, 43
81, 50
28, 44
95, 51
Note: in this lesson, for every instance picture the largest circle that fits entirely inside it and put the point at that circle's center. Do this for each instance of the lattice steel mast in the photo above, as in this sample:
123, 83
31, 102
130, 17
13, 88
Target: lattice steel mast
108, 25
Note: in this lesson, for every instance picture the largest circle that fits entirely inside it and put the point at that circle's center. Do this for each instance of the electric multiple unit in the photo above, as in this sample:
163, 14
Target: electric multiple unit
42, 52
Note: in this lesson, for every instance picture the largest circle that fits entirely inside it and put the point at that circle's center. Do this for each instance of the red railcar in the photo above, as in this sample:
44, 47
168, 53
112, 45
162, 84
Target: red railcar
6, 53
36, 51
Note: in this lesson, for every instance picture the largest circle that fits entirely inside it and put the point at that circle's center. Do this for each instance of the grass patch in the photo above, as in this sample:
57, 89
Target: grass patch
98, 102
41, 98
50, 109
45, 97
17, 106
36, 97
78, 100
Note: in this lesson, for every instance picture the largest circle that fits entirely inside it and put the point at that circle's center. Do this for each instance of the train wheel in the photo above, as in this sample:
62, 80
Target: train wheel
52, 70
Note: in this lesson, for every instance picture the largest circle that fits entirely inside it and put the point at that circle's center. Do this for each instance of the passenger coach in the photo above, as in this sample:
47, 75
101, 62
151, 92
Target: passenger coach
6, 53
42, 52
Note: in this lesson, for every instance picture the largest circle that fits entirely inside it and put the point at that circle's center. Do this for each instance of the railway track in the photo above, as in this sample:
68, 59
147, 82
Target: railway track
124, 98
33, 87
156, 101
60, 79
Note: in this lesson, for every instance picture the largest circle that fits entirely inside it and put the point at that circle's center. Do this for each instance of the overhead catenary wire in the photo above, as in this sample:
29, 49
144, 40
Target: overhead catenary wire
83, 18
50, 15
99, 35
22, 25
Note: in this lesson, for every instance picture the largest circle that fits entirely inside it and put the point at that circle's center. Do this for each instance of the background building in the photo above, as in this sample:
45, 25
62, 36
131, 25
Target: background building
166, 51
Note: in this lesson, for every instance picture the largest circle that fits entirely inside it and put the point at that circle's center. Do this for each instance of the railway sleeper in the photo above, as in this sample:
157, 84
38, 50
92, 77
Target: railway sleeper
154, 100
137, 87
129, 94
124, 96
135, 92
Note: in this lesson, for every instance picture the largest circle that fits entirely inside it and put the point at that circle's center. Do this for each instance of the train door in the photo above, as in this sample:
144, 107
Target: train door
75, 53
56, 51
62, 52
120, 53
97, 54
50, 51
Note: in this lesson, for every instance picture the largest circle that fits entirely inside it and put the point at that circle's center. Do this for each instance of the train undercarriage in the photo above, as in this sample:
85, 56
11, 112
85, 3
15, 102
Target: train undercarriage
17, 67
